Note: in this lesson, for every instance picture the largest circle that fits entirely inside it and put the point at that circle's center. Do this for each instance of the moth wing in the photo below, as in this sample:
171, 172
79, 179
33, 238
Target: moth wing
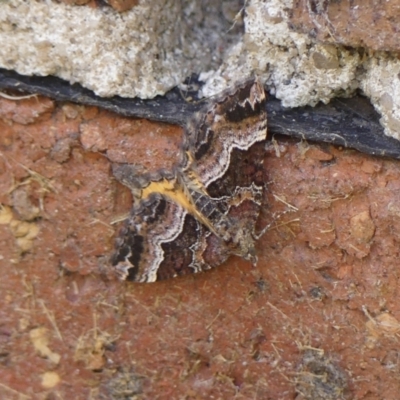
236, 119
160, 240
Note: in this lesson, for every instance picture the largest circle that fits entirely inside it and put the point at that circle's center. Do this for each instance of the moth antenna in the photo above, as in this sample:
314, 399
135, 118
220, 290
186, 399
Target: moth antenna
258, 236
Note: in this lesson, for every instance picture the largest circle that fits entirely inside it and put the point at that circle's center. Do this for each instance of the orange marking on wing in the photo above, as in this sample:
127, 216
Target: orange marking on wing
174, 191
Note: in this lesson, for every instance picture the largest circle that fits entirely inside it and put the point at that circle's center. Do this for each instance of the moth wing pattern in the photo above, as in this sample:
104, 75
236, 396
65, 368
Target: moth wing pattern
169, 233
226, 146
156, 233
160, 240
236, 119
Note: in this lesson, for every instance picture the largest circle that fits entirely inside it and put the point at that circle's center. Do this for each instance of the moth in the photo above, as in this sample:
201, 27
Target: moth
192, 218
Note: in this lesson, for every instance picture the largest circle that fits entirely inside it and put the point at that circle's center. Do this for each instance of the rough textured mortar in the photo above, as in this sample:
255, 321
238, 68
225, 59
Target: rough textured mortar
142, 52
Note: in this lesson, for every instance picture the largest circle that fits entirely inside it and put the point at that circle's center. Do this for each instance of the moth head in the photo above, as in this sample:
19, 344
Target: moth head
242, 244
